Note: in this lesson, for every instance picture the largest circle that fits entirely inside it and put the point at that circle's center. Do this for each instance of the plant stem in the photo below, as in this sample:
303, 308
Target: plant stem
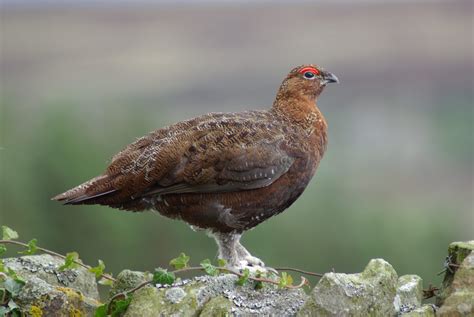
299, 271
106, 276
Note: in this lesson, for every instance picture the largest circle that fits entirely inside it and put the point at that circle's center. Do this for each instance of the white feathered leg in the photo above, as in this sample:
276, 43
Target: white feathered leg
236, 256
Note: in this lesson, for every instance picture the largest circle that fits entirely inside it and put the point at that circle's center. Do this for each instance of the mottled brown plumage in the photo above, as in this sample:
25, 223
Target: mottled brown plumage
225, 172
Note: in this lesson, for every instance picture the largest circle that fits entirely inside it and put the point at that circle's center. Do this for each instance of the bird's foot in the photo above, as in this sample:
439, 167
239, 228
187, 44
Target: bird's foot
254, 265
252, 260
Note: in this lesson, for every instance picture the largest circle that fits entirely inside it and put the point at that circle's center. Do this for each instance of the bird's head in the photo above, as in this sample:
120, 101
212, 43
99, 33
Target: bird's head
306, 81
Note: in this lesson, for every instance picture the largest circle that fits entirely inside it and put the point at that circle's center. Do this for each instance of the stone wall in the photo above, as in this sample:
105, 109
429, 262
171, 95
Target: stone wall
376, 291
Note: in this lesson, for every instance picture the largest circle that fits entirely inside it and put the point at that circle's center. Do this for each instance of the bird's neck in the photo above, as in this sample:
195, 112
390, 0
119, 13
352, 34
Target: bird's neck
300, 110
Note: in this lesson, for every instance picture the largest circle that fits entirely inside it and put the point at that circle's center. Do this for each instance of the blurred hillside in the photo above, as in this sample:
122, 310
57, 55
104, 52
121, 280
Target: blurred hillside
79, 83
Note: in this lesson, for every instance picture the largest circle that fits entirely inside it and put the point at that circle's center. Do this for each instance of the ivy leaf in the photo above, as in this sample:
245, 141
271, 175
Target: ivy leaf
3, 249
69, 262
180, 262
15, 312
221, 262
209, 268
9, 233
3, 294
3, 311
12, 305
101, 311
32, 248
106, 282
98, 270
13, 286
244, 278
258, 284
162, 276
13, 275
120, 306
285, 280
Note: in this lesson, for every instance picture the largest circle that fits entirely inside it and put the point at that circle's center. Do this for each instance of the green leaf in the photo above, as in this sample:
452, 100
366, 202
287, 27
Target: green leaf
221, 262
13, 275
8, 233
120, 306
101, 311
162, 276
98, 270
32, 248
106, 282
12, 305
180, 262
258, 284
15, 312
3, 249
3, 294
209, 268
2, 267
13, 286
3, 311
244, 278
285, 280
69, 262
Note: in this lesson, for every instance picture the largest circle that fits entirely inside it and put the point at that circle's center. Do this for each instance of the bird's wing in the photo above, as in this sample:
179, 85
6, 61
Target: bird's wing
228, 169
215, 155
212, 153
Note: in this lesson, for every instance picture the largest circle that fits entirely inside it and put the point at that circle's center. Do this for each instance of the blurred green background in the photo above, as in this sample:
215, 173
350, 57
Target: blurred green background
81, 80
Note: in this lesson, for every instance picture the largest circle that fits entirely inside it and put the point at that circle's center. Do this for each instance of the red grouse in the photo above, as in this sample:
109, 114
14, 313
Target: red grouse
223, 172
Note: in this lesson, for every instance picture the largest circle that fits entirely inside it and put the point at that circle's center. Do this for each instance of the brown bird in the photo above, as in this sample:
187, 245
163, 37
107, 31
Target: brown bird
222, 172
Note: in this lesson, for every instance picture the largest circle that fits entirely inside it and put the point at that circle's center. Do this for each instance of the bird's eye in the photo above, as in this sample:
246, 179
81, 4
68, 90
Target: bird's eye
309, 72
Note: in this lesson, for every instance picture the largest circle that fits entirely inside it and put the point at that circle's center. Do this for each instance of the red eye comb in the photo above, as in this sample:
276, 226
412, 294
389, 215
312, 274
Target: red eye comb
309, 69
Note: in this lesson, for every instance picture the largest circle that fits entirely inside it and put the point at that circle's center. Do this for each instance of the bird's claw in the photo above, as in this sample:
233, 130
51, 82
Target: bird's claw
253, 261
255, 266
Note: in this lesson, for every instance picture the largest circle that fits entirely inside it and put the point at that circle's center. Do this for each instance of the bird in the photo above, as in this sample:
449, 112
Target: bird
224, 173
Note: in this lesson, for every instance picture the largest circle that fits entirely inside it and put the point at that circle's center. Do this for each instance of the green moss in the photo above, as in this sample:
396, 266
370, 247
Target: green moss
458, 304
128, 279
423, 311
35, 311
308, 309
368, 293
75, 313
458, 251
217, 306
150, 299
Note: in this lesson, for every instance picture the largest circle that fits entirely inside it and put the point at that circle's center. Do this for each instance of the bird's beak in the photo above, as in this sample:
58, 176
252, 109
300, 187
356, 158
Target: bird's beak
329, 78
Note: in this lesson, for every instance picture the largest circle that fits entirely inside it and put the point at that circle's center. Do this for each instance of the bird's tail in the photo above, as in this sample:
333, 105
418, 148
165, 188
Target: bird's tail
89, 192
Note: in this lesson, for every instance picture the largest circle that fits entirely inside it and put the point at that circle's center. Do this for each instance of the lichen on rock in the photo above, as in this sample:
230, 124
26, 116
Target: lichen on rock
46, 267
457, 295
50, 292
376, 291
211, 296
128, 279
370, 292
423, 311
409, 293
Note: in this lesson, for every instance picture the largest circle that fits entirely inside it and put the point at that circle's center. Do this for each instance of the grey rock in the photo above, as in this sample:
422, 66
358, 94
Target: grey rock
128, 279
423, 311
217, 295
217, 306
459, 300
371, 292
457, 252
175, 295
409, 293
49, 300
45, 267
